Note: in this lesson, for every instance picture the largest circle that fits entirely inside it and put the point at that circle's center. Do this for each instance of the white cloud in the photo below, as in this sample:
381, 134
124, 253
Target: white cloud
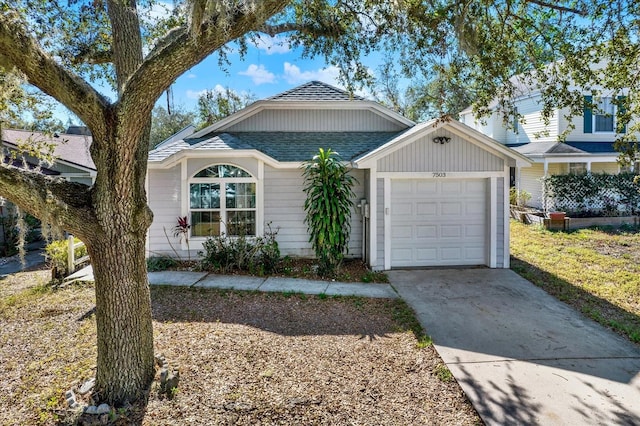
195, 94
259, 74
271, 45
294, 75
191, 75
158, 11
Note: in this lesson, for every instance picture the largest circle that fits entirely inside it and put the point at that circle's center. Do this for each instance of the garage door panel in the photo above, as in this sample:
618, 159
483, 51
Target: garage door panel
402, 209
451, 208
438, 222
405, 232
427, 255
451, 231
426, 231
429, 208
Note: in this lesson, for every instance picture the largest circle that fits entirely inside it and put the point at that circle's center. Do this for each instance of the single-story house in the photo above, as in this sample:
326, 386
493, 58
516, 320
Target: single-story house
429, 194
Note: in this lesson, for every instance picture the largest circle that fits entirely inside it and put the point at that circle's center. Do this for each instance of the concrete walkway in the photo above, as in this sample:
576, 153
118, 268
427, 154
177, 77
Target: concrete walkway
272, 284
520, 355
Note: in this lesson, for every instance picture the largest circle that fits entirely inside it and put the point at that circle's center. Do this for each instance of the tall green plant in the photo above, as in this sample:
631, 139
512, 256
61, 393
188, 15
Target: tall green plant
329, 190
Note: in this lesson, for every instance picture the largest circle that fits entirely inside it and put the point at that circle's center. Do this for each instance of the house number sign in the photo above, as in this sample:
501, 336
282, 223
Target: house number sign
439, 175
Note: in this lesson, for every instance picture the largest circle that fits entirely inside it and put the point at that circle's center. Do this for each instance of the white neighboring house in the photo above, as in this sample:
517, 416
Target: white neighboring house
587, 148
428, 194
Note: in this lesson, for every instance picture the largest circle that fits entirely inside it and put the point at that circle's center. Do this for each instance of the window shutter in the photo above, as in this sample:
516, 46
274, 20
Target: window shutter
621, 111
588, 119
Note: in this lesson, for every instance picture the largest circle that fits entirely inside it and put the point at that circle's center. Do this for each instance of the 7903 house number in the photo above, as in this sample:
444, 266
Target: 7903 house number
439, 175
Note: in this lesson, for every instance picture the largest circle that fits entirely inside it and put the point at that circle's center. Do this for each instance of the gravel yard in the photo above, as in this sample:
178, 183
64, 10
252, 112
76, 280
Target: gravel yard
244, 358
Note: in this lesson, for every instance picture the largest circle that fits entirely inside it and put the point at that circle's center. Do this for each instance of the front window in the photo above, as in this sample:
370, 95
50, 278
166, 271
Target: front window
577, 168
604, 115
222, 200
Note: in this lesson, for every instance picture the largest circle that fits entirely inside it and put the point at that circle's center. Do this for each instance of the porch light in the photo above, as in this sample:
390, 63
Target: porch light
441, 139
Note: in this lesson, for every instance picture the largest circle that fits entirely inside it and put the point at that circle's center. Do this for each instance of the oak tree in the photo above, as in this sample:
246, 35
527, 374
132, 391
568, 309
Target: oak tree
66, 49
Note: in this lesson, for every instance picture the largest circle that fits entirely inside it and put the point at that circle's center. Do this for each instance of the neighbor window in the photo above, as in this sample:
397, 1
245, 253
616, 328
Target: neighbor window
604, 115
577, 168
222, 200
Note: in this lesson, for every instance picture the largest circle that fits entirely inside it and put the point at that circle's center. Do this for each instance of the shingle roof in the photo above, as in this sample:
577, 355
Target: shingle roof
283, 146
315, 91
301, 146
73, 149
593, 147
542, 148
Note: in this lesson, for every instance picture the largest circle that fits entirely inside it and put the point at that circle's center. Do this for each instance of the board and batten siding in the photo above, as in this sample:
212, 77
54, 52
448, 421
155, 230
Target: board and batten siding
423, 155
164, 198
284, 210
380, 224
499, 222
293, 120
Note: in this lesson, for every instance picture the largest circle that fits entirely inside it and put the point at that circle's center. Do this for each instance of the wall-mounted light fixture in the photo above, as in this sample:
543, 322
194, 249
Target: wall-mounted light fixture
441, 139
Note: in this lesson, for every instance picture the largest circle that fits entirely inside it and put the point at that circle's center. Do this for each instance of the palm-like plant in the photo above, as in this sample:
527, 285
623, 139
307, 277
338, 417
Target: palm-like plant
329, 190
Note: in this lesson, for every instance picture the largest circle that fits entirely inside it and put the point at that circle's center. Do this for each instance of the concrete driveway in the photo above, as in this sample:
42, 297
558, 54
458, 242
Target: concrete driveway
520, 355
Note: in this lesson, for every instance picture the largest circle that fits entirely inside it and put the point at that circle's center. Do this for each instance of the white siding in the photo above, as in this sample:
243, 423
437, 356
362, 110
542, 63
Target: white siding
424, 155
530, 108
291, 120
164, 200
578, 134
284, 208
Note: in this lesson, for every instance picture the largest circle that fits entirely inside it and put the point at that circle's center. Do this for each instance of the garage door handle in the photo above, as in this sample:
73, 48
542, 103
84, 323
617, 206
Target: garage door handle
386, 211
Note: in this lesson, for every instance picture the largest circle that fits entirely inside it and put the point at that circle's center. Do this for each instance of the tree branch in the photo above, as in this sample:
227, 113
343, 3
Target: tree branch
178, 51
18, 48
558, 7
67, 204
87, 56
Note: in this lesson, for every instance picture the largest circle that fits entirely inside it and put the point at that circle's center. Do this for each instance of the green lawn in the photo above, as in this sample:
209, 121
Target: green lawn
596, 271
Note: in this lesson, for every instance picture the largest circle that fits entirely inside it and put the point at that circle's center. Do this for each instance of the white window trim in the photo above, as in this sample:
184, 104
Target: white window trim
222, 209
594, 116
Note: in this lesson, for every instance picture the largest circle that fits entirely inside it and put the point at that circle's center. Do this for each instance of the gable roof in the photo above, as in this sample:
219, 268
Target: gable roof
313, 95
315, 91
72, 149
428, 127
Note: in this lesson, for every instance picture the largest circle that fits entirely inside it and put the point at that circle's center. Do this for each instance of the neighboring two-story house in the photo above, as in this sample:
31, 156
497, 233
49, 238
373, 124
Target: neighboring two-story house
587, 148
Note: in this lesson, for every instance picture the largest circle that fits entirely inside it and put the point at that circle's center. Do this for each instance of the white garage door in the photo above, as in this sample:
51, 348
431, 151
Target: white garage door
438, 222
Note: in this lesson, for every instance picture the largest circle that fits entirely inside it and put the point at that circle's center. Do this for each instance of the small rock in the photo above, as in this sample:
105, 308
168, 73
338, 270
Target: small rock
169, 381
103, 409
73, 403
104, 419
91, 409
69, 395
160, 360
87, 386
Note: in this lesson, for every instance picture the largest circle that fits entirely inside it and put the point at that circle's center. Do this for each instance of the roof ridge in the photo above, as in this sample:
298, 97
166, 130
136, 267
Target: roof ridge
316, 90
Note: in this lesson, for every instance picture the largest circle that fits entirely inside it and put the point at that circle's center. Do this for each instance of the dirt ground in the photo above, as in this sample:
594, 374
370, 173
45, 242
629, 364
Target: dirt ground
244, 358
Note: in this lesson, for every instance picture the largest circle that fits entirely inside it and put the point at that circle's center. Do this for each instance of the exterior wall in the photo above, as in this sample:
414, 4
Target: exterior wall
164, 197
530, 180
530, 109
611, 168
457, 155
380, 224
499, 221
291, 120
578, 134
284, 208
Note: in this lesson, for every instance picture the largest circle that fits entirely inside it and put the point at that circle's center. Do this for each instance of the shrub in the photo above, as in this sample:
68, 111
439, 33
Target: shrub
224, 253
518, 198
58, 257
328, 206
160, 263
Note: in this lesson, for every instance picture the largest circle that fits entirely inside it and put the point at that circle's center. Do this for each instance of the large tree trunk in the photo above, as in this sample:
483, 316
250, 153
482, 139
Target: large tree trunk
125, 364
123, 306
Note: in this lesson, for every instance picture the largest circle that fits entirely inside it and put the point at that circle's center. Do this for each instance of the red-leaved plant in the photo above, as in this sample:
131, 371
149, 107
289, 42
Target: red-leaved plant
181, 230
